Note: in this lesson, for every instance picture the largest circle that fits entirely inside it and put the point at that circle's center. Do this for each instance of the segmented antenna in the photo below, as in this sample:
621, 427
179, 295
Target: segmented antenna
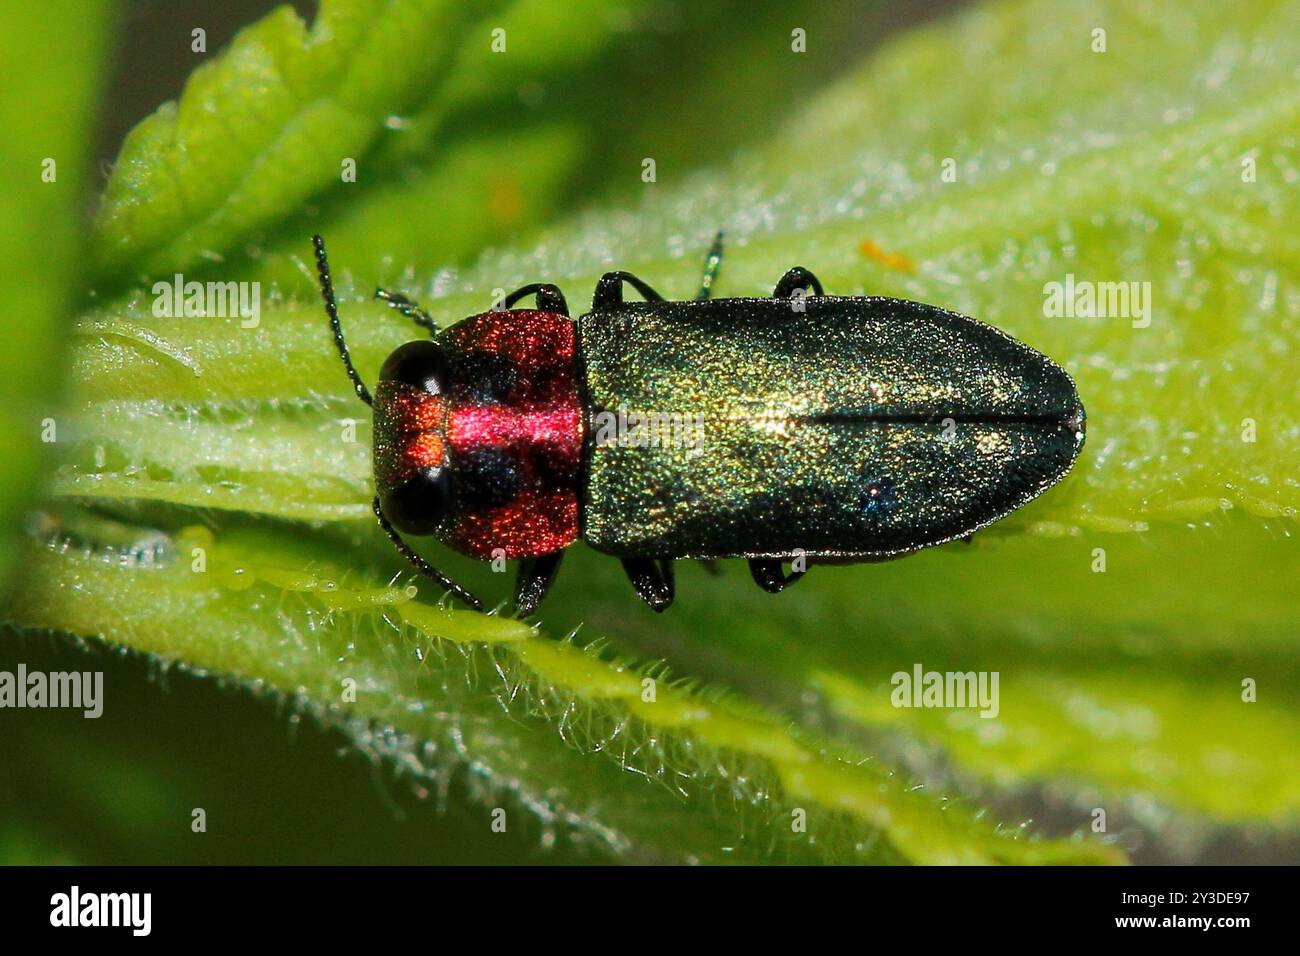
332, 310
421, 565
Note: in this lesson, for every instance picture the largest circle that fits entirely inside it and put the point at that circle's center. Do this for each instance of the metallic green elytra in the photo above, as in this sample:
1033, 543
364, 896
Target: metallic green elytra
853, 428
803, 428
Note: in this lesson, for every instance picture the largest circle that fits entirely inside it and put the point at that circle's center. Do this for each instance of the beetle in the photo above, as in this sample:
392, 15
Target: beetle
817, 429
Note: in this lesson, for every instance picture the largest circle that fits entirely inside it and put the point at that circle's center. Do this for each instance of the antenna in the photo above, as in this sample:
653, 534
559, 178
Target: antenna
332, 310
423, 566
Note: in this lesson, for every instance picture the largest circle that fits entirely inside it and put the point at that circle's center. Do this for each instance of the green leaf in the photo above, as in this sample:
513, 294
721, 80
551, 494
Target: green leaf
52, 57
461, 690
442, 127
1120, 642
266, 125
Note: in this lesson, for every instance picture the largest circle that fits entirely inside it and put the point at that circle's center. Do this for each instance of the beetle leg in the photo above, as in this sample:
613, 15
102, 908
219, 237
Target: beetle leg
536, 575
712, 567
549, 297
797, 278
653, 581
408, 308
712, 263
609, 290
666, 570
769, 576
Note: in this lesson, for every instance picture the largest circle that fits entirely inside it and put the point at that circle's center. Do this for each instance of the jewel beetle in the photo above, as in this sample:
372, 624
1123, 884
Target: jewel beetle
803, 428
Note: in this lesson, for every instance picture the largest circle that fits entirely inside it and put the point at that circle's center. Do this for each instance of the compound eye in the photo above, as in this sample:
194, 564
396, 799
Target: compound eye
421, 364
418, 504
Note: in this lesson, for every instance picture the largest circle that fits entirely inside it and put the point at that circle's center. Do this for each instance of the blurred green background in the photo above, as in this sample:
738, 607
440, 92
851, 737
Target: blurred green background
1121, 689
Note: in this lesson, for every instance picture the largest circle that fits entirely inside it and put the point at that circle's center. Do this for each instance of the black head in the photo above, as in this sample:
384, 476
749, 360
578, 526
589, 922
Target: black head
412, 470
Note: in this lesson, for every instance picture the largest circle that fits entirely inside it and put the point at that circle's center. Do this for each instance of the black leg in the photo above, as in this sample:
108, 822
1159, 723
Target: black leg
797, 278
653, 581
769, 576
536, 575
609, 290
666, 571
714, 568
712, 263
402, 304
549, 297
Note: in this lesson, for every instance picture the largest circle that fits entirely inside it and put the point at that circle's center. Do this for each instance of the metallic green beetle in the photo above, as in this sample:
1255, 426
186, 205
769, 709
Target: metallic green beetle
802, 428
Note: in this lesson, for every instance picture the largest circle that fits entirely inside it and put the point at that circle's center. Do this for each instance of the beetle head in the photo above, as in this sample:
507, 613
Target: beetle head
411, 460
